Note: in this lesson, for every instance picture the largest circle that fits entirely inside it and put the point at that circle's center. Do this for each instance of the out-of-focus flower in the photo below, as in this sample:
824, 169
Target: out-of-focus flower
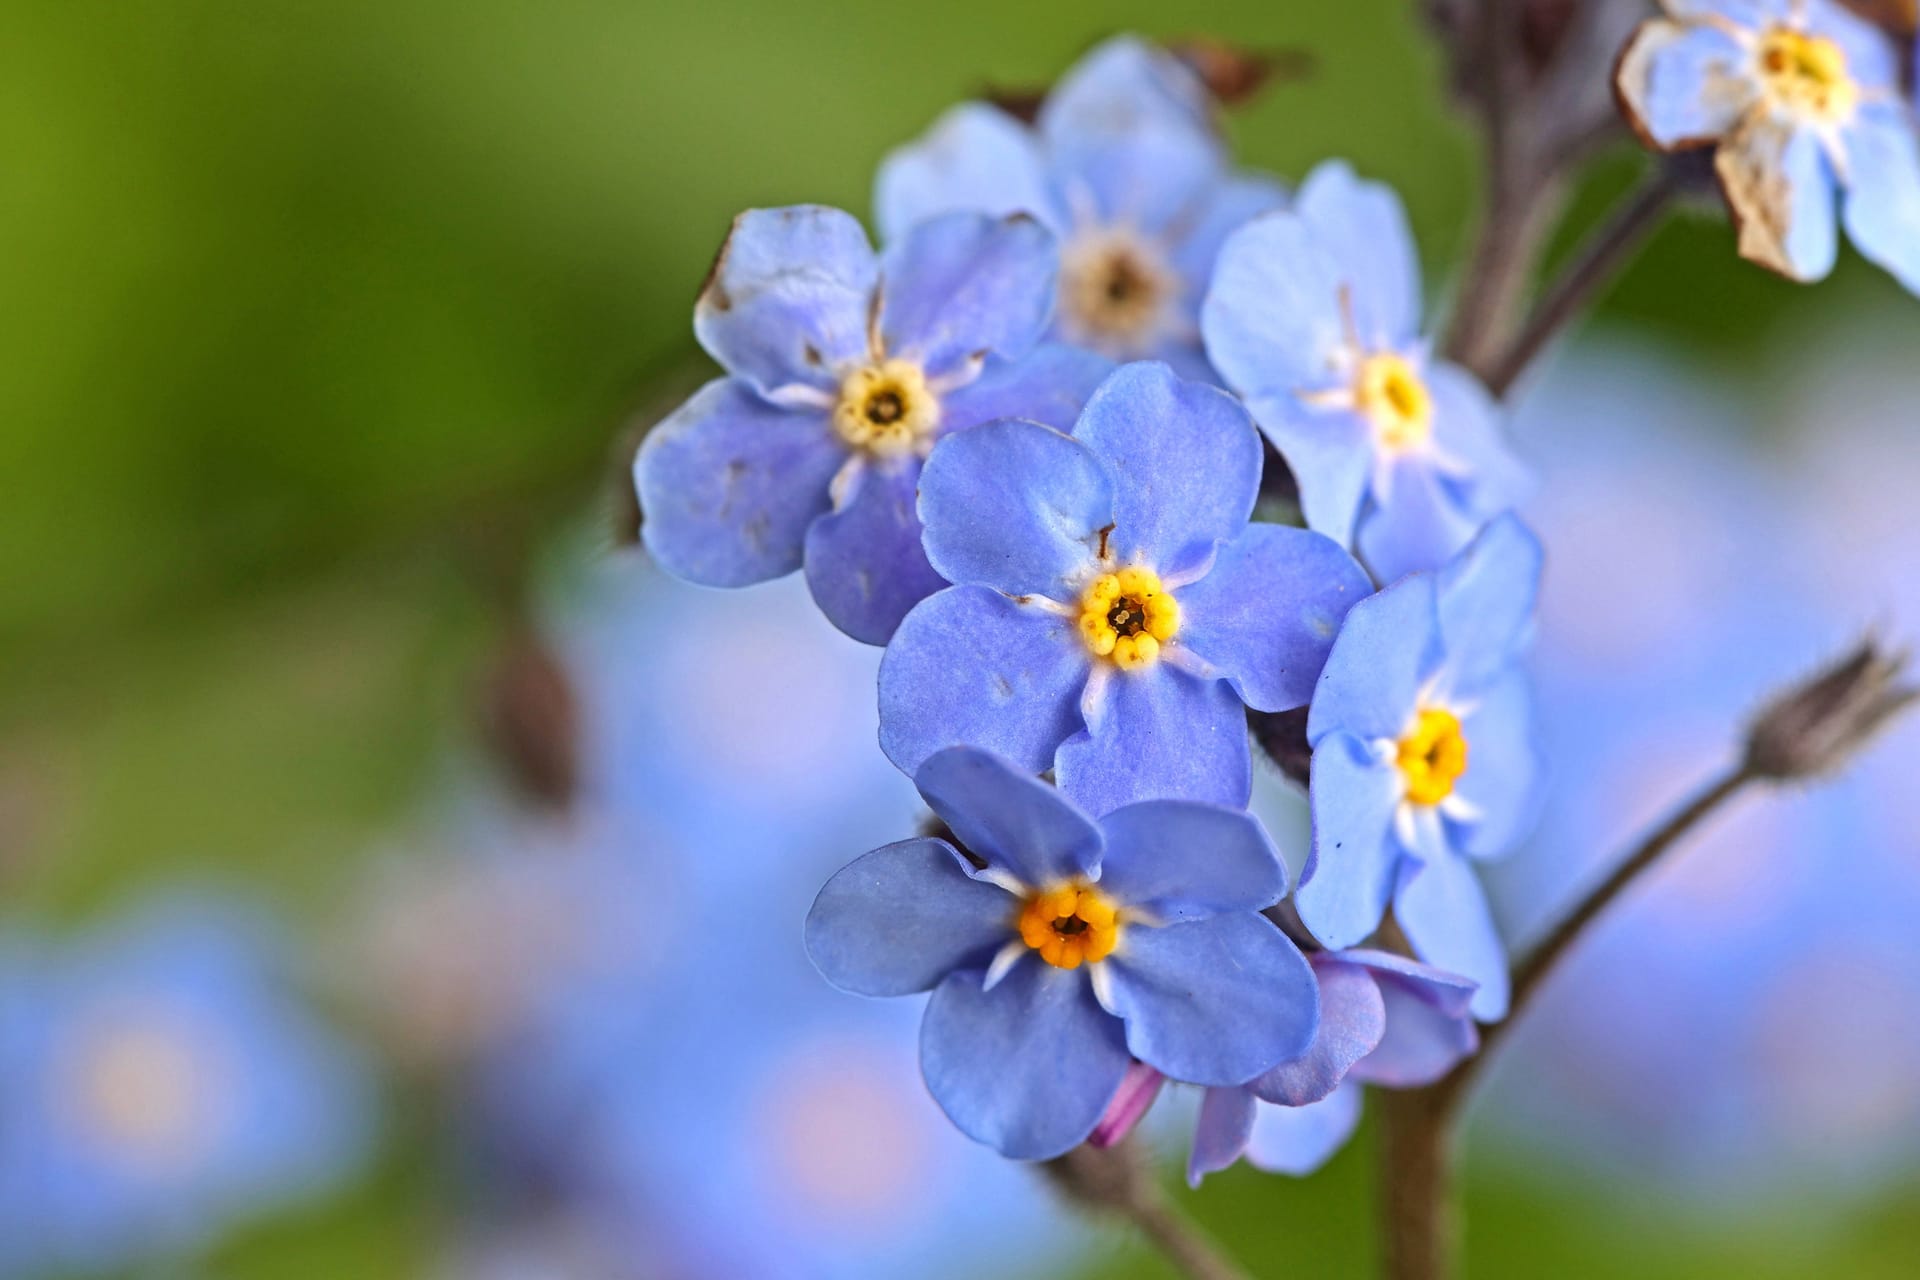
844, 369
1424, 759
1159, 905
162, 1085
1314, 318
1125, 166
1802, 103
1113, 611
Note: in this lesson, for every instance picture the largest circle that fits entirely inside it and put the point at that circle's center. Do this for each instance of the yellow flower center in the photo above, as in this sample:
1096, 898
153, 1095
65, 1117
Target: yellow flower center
1127, 616
1808, 74
1433, 756
1070, 925
1114, 289
887, 409
1391, 393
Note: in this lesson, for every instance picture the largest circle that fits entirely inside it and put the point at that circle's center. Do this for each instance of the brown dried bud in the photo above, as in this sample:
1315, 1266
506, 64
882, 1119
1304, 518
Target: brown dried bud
1816, 726
1235, 75
1897, 17
531, 719
1022, 102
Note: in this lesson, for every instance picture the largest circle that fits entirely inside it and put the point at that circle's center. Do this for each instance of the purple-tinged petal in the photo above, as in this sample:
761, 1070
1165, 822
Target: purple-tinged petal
1363, 227
1353, 1017
1029, 1067
1049, 385
1298, 1140
1266, 614
1221, 1133
1780, 188
1420, 527
1501, 786
865, 565
973, 157
1271, 318
729, 484
1486, 598
1158, 733
1329, 451
901, 918
1350, 877
1387, 648
1214, 1001
1178, 860
788, 297
968, 665
1185, 458
1429, 1026
1009, 817
964, 285
1882, 208
1685, 84
1017, 507
1442, 909
1129, 1106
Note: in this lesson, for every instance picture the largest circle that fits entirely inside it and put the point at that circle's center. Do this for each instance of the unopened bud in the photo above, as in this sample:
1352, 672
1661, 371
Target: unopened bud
1236, 75
532, 720
1816, 726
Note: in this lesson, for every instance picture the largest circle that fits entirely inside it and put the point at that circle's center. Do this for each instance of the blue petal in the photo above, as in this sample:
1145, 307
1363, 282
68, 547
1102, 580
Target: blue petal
1158, 733
1362, 226
1353, 1017
1185, 460
901, 918
968, 665
1214, 1001
1468, 430
865, 565
1271, 319
1356, 858
1049, 385
1387, 648
1871, 58
1486, 599
729, 484
1778, 183
1028, 1067
1017, 507
1221, 1132
1329, 451
1442, 909
1686, 84
1298, 1140
1266, 614
1009, 817
974, 157
788, 298
1429, 1028
1502, 781
1178, 860
962, 285
1420, 526
1230, 205
1883, 193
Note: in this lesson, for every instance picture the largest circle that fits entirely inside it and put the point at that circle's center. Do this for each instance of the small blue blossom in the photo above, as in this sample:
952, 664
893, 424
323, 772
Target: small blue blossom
844, 369
1423, 759
1803, 105
1126, 167
1384, 1020
1113, 612
1314, 319
1068, 950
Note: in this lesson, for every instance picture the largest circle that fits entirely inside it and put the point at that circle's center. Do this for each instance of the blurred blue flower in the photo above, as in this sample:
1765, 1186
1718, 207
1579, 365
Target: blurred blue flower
844, 368
1126, 167
1802, 103
162, 1086
1112, 608
1314, 318
1159, 903
1424, 759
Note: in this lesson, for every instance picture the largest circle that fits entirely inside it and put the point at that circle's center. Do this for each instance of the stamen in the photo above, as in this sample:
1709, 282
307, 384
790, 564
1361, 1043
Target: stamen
886, 409
1115, 291
1390, 391
1807, 75
1432, 756
1126, 616
1070, 925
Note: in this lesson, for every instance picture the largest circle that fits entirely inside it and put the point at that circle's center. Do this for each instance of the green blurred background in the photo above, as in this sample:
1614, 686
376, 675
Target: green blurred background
319, 317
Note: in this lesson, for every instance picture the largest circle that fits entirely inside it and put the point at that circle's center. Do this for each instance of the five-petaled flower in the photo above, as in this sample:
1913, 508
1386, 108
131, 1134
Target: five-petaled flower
1059, 950
1125, 165
1314, 318
1112, 608
1801, 100
845, 368
1423, 758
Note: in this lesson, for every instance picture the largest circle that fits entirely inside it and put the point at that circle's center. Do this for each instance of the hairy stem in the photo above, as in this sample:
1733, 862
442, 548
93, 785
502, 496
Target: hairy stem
1116, 1181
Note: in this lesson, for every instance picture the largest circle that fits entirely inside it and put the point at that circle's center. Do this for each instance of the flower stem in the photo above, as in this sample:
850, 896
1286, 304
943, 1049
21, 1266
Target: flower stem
1116, 1180
1416, 1185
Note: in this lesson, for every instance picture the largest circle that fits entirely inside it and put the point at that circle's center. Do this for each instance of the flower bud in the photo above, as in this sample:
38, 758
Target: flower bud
531, 718
1816, 726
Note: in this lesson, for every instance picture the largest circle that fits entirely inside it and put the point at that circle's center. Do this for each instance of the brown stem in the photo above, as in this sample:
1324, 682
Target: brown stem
1416, 1185
1117, 1181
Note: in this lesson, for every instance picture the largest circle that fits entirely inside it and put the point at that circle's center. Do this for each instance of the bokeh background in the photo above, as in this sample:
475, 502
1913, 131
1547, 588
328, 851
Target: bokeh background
322, 326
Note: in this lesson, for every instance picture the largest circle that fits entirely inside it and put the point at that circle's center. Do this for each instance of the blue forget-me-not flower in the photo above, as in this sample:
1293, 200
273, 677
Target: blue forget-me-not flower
1125, 165
1069, 949
1314, 319
843, 370
1424, 759
1113, 611
1802, 103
